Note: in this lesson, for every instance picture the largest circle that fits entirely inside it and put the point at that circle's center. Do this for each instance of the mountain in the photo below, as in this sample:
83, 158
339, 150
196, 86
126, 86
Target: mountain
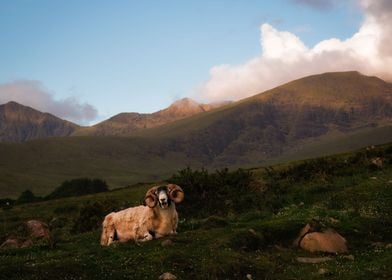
271, 123
313, 116
20, 123
124, 124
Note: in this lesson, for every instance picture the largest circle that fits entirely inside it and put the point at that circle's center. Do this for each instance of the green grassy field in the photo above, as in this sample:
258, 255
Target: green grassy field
43, 165
345, 192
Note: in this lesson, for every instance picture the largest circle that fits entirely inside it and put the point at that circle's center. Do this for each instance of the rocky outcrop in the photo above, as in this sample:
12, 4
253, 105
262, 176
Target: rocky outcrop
35, 230
327, 240
167, 276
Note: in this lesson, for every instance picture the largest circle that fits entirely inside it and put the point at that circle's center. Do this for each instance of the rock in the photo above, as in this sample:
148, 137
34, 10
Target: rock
328, 241
313, 260
166, 243
349, 257
377, 161
11, 243
325, 241
333, 221
388, 246
377, 244
322, 271
38, 229
35, 229
167, 276
252, 231
249, 276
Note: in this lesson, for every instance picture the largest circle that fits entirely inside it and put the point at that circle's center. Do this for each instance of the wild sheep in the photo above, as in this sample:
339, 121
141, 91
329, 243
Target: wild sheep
156, 219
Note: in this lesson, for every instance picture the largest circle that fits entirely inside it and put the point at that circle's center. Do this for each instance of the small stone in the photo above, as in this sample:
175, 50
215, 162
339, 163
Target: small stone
377, 244
349, 257
322, 271
388, 246
313, 260
166, 243
249, 276
252, 231
167, 276
11, 243
373, 178
334, 221
301, 204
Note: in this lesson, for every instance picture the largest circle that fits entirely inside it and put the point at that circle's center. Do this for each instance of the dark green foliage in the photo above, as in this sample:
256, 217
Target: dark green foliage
91, 215
26, 197
247, 240
78, 187
217, 193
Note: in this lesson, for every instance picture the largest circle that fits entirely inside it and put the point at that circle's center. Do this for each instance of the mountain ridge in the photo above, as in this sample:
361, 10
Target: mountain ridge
20, 123
124, 124
266, 128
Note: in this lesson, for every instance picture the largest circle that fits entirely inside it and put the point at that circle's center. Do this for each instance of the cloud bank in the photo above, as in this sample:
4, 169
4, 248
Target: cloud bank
285, 57
33, 94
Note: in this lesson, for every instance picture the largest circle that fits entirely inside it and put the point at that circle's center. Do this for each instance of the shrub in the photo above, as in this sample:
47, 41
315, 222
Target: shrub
91, 216
218, 193
27, 196
78, 187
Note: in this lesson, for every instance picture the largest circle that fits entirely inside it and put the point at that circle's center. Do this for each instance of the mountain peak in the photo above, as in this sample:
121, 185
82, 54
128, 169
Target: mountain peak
22, 123
13, 104
185, 102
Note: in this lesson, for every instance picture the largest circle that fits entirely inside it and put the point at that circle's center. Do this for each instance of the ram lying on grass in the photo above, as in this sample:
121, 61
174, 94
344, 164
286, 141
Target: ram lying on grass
156, 219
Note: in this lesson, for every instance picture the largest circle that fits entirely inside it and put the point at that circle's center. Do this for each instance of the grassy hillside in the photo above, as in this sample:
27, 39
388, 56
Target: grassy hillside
345, 192
313, 116
43, 165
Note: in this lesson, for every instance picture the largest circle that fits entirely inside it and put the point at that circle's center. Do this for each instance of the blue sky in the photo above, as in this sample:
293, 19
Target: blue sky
123, 56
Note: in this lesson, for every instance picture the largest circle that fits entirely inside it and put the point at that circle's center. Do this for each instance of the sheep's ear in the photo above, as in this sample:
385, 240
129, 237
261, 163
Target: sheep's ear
150, 199
176, 193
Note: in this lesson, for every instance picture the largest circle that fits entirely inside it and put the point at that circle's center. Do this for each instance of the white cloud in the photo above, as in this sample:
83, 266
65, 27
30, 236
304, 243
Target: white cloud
285, 57
33, 94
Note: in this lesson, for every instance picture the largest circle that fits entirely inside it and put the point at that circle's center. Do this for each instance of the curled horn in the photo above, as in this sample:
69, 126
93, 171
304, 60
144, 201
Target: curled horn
176, 193
151, 199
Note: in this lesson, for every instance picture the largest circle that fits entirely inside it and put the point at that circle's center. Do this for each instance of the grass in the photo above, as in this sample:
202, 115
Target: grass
344, 192
41, 165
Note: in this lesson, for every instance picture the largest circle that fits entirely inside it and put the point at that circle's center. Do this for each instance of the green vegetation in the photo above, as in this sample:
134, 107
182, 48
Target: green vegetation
78, 187
231, 235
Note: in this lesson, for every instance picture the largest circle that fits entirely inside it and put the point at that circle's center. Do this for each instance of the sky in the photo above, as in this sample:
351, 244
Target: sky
87, 60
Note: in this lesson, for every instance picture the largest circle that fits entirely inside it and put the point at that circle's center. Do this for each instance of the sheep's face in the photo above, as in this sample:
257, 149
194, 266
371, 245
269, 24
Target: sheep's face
164, 200
164, 196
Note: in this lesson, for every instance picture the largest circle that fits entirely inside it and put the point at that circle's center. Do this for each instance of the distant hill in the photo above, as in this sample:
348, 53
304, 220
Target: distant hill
20, 123
271, 123
125, 123
313, 116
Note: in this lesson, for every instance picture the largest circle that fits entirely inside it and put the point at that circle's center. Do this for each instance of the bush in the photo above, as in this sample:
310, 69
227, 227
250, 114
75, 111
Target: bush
218, 193
91, 216
79, 187
27, 197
